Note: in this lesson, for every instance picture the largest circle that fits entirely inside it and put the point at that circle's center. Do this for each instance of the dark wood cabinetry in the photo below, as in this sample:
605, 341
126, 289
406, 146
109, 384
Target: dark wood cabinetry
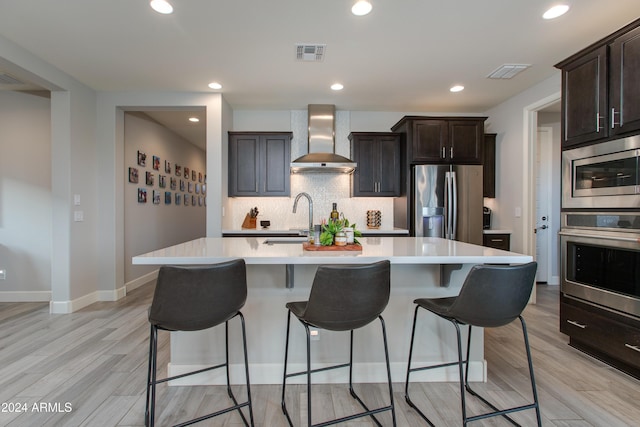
497, 241
458, 140
601, 89
378, 156
606, 335
489, 166
259, 163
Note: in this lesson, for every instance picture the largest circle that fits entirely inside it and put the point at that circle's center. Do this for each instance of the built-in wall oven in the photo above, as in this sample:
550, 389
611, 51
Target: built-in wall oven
602, 176
601, 259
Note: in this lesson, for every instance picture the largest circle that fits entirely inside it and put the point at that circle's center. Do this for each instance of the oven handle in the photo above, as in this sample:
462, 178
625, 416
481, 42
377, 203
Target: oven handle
633, 347
597, 236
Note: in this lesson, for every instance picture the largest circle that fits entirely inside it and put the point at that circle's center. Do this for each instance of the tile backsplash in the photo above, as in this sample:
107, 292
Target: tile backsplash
323, 188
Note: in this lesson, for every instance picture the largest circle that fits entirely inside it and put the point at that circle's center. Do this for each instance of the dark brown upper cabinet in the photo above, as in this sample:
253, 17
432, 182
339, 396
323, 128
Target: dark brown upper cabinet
458, 140
489, 166
259, 164
378, 155
601, 89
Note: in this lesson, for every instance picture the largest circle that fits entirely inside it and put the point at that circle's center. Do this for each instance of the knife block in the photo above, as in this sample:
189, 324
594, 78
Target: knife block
249, 222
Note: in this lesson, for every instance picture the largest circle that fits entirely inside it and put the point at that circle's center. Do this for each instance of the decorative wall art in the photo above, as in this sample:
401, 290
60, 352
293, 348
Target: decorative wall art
172, 183
149, 178
186, 200
133, 175
178, 170
186, 172
200, 200
142, 158
204, 188
199, 176
167, 197
193, 175
190, 187
156, 163
162, 181
181, 185
178, 198
142, 195
156, 197
193, 200
167, 166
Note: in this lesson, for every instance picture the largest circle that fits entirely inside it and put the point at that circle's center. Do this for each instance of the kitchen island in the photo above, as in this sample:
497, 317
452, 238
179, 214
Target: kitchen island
279, 270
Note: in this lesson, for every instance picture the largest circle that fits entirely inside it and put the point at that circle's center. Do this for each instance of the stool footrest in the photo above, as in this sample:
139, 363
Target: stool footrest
199, 371
313, 371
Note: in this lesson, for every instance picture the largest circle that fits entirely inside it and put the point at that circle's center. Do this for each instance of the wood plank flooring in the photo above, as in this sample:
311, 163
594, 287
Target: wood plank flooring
94, 362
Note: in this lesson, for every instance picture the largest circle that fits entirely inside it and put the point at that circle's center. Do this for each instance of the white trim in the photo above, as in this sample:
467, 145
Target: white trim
25, 296
66, 307
554, 280
271, 373
113, 295
142, 280
547, 145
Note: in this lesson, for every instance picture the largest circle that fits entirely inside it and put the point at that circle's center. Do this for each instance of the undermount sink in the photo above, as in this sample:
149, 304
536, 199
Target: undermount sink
281, 240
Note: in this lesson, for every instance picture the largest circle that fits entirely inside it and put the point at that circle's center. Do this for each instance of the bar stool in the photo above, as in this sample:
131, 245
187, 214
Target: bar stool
342, 298
195, 299
491, 296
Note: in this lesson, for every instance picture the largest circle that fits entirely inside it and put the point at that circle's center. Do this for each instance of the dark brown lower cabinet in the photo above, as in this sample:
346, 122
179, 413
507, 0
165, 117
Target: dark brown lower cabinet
606, 335
497, 241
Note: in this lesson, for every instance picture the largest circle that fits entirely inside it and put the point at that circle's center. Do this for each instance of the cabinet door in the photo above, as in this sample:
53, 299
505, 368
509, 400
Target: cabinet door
584, 98
624, 90
430, 141
389, 166
275, 168
466, 141
365, 153
489, 166
244, 165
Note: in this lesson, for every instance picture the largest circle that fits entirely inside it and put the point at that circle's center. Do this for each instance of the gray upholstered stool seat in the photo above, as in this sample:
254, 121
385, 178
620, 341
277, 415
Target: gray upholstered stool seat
195, 299
491, 296
342, 298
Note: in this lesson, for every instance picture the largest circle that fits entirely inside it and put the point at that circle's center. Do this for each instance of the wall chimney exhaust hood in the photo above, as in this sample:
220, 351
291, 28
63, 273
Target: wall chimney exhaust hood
322, 157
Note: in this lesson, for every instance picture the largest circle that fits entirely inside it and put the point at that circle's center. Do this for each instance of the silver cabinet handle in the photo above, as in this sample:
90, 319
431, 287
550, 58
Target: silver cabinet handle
579, 325
451, 153
598, 117
613, 117
443, 152
497, 240
633, 347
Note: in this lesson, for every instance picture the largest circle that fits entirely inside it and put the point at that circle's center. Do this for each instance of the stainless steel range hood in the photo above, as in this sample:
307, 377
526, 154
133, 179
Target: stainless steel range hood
322, 156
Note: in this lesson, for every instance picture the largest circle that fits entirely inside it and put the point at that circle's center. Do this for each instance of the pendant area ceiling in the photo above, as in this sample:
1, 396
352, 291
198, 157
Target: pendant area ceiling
403, 56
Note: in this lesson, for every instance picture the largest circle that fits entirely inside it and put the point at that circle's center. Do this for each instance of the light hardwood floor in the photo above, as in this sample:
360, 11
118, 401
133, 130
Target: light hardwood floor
95, 360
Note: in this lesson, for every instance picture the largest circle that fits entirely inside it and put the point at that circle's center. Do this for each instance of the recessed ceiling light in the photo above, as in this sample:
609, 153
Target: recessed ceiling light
337, 86
161, 6
456, 88
555, 11
215, 85
194, 119
361, 7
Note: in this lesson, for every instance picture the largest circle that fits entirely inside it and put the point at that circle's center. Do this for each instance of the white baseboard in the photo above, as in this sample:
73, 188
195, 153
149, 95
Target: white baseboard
114, 295
142, 280
362, 373
25, 296
66, 307
554, 280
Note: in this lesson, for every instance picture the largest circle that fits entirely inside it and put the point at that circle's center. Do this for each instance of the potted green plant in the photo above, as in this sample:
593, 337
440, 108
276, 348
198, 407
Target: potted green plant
331, 228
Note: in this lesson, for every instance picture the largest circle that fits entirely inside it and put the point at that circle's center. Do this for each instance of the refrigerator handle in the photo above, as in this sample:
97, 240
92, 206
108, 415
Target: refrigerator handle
447, 206
454, 204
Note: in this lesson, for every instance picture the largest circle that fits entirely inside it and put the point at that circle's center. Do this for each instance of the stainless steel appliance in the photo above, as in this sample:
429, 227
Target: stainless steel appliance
601, 259
602, 176
447, 202
486, 218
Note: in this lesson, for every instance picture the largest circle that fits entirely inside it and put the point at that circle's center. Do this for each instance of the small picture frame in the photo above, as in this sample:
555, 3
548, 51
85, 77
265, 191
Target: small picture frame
197, 188
133, 175
167, 197
156, 197
182, 185
142, 159
172, 183
203, 190
186, 200
193, 175
193, 200
178, 169
167, 166
200, 200
149, 178
190, 187
142, 195
156, 163
186, 172
200, 177
178, 198
162, 181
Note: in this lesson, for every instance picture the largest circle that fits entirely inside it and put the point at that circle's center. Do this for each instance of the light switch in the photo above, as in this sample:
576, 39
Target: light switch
76, 200
518, 212
78, 216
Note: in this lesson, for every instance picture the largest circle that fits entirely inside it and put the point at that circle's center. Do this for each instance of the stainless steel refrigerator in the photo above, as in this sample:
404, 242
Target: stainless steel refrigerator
447, 202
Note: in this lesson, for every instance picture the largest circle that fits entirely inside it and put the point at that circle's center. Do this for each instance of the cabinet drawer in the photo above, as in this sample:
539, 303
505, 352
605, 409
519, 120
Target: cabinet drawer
497, 241
602, 331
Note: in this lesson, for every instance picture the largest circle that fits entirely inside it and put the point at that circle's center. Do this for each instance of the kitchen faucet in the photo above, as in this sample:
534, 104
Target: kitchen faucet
295, 206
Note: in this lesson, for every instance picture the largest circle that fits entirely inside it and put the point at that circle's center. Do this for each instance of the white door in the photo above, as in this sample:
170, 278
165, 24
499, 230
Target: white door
543, 203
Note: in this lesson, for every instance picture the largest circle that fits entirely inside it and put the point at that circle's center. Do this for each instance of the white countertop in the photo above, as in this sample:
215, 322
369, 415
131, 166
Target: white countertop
399, 250
497, 231
296, 232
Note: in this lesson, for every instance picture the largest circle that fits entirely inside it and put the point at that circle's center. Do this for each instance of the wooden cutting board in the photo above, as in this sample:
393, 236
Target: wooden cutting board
348, 248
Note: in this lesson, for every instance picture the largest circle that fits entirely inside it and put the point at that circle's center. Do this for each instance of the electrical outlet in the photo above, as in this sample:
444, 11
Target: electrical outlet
315, 334
3, 274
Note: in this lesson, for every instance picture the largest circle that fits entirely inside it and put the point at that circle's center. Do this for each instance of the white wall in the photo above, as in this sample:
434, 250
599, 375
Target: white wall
148, 226
509, 121
25, 197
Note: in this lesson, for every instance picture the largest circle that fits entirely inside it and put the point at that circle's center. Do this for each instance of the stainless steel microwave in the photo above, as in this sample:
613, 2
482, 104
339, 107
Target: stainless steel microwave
604, 175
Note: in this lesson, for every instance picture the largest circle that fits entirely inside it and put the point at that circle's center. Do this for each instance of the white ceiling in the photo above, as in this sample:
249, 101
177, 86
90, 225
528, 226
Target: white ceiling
403, 56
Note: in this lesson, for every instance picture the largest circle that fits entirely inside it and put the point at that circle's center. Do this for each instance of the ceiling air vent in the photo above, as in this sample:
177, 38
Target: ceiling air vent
6, 79
507, 71
310, 52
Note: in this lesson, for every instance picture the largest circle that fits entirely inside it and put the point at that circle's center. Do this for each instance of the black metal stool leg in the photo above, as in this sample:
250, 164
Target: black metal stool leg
284, 375
531, 376
149, 414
